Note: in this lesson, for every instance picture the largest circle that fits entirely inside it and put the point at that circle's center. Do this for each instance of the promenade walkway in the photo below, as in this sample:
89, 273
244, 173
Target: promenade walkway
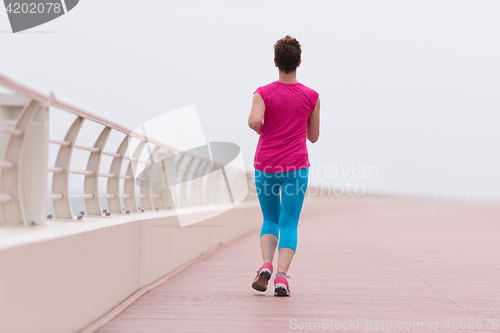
364, 264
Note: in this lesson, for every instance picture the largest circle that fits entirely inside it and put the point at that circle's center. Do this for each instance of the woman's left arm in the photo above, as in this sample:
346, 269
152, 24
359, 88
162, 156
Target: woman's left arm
312, 132
256, 113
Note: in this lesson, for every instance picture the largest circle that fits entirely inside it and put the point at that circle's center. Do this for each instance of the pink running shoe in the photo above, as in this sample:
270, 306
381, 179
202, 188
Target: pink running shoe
263, 277
281, 286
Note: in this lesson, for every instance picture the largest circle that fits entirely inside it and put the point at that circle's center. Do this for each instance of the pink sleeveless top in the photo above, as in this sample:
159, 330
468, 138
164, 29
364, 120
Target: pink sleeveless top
282, 141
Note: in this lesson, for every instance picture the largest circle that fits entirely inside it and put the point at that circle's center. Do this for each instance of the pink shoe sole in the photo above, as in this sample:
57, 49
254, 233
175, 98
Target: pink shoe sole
281, 286
260, 282
280, 290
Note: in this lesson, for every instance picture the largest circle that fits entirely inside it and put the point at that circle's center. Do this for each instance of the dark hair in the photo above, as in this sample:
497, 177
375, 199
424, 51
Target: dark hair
287, 54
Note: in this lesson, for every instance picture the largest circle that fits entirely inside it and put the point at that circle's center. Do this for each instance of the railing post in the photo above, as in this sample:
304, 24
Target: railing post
212, 185
115, 204
91, 183
207, 170
148, 178
186, 183
160, 185
197, 195
129, 184
165, 195
23, 180
177, 168
60, 181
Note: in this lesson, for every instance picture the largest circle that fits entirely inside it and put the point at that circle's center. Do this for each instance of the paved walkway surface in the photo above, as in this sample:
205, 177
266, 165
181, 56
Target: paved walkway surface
361, 266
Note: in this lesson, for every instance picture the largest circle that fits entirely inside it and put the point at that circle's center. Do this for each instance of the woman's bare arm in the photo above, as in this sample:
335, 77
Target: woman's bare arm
257, 113
312, 133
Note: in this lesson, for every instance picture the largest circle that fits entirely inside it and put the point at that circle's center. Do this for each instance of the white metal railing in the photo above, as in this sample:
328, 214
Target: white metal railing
24, 165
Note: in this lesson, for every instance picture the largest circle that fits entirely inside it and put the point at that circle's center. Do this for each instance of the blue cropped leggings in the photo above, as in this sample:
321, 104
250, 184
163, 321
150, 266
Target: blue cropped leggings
281, 215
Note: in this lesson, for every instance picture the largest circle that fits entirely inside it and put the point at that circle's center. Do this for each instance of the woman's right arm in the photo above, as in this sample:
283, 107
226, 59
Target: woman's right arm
257, 113
312, 132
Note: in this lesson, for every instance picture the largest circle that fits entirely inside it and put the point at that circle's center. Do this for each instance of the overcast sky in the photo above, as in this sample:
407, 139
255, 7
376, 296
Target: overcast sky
409, 88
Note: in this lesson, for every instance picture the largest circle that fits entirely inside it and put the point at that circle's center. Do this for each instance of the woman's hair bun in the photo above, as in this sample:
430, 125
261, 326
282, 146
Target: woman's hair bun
287, 53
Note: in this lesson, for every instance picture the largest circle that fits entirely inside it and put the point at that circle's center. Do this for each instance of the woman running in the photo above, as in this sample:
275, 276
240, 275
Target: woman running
284, 113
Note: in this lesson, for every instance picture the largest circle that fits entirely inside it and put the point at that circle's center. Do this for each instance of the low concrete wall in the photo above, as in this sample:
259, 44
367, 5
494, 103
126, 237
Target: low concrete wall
65, 276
